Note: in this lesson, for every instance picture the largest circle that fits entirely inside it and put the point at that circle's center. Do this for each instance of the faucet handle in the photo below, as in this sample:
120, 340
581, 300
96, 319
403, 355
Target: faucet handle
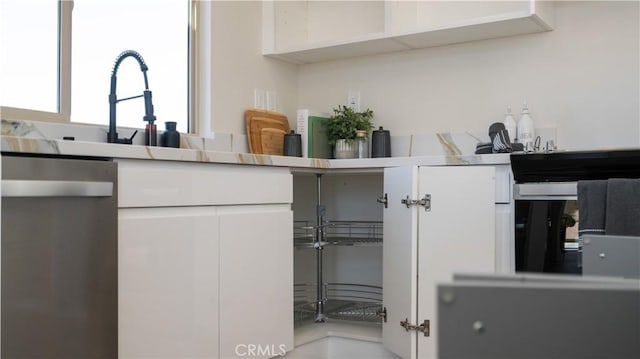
126, 141
130, 139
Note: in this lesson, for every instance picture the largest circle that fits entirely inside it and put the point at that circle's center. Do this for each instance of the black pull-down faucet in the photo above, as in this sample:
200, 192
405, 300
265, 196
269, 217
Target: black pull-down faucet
112, 136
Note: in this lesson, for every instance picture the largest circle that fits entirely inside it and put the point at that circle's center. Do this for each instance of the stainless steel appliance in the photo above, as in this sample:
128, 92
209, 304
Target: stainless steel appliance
545, 194
611, 256
533, 316
59, 258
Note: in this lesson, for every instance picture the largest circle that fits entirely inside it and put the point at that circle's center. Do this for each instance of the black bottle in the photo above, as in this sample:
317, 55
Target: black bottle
170, 137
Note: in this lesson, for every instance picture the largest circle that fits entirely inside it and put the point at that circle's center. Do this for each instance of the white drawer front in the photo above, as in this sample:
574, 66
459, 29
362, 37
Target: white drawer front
144, 183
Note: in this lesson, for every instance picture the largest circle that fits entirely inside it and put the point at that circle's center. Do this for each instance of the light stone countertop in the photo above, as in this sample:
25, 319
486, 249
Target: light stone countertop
95, 149
43, 138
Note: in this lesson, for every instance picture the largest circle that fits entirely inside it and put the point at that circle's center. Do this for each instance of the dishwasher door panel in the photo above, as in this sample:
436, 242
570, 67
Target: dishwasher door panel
59, 267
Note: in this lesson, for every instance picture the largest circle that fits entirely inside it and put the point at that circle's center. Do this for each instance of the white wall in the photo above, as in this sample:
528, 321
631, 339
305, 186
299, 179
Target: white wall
582, 78
238, 66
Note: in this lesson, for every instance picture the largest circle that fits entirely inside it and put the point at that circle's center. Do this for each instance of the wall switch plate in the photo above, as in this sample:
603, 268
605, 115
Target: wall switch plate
353, 100
272, 101
259, 98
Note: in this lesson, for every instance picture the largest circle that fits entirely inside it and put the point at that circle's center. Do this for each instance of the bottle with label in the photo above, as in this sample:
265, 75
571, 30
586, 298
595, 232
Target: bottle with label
526, 133
510, 125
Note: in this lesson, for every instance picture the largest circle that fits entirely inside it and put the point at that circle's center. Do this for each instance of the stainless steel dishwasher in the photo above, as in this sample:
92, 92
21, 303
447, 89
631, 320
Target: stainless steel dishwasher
59, 264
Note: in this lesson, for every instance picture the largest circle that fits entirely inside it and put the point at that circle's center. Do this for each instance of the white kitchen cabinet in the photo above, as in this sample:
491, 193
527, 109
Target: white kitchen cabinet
351, 247
205, 264
168, 184
168, 282
315, 31
256, 281
452, 230
418, 249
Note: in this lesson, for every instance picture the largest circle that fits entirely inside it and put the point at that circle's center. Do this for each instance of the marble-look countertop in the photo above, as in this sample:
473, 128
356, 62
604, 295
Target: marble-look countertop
95, 149
38, 138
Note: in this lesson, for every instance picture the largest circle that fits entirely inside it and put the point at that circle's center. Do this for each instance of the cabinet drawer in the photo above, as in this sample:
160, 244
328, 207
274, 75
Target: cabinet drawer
144, 183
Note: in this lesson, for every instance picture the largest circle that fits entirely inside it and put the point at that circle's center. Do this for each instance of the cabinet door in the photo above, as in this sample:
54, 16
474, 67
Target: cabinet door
423, 247
457, 235
256, 281
168, 283
399, 260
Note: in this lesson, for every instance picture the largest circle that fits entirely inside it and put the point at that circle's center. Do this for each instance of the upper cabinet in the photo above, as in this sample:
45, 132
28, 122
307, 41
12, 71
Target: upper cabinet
314, 31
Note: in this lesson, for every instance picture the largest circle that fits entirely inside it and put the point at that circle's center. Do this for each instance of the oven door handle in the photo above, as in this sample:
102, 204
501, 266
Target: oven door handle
36, 188
549, 190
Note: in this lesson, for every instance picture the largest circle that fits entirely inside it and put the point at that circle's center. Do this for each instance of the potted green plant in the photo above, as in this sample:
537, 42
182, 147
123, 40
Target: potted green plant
341, 129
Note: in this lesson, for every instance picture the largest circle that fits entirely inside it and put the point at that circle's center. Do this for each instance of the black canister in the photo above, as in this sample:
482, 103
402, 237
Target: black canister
381, 143
292, 144
170, 137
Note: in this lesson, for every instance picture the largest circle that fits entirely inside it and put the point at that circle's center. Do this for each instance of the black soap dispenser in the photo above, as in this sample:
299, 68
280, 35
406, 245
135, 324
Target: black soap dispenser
170, 137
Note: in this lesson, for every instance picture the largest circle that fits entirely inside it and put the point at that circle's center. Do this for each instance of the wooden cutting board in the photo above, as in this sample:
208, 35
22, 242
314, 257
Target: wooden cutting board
272, 141
265, 131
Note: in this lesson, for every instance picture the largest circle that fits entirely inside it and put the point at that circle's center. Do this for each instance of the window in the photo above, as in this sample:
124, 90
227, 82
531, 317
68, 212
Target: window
158, 30
33, 60
29, 55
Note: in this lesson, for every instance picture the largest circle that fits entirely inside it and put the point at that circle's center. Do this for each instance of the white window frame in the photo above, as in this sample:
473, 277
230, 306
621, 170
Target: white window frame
199, 44
64, 72
200, 79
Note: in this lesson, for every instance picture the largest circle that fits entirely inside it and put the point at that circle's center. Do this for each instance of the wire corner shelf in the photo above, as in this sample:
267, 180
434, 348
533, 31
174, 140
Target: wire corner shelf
345, 233
342, 301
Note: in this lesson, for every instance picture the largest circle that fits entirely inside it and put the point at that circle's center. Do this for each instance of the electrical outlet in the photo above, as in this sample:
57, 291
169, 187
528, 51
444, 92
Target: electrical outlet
272, 101
259, 98
353, 100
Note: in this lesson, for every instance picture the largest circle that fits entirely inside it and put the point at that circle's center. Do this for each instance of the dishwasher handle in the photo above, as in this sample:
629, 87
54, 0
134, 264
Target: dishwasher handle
38, 188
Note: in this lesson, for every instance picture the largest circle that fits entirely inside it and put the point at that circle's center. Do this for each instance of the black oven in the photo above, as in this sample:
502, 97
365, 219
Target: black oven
546, 233
546, 210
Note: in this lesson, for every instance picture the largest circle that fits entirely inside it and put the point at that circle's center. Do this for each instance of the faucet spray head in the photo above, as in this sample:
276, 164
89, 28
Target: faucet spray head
148, 108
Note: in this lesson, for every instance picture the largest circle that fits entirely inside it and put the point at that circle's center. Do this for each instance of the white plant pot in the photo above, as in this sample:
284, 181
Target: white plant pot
345, 149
